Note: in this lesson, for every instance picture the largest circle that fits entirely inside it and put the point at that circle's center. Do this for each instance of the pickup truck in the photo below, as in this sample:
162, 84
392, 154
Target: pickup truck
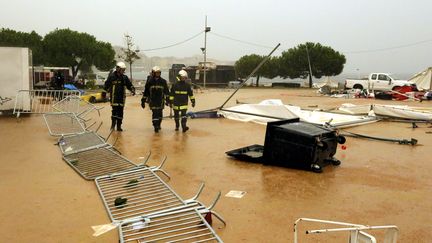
376, 81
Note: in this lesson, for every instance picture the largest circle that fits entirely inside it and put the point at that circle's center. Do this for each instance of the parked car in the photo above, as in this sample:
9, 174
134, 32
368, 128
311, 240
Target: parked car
376, 81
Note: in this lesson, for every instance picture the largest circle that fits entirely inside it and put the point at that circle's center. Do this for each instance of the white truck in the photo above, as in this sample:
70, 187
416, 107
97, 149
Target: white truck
376, 81
16, 74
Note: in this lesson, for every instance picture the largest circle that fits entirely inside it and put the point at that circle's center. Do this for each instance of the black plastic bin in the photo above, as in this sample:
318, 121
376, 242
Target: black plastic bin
294, 144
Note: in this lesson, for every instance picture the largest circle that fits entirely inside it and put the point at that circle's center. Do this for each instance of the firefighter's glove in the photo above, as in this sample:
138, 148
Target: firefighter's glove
143, 103
193, 103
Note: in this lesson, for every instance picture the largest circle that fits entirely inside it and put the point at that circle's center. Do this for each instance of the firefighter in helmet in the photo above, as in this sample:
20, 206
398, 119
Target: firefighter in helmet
115, 86
180, 93
156, 94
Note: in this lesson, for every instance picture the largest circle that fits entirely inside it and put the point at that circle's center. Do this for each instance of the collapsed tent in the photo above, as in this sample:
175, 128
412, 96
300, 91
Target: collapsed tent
272, 110
395, 111
423, 80
326, 82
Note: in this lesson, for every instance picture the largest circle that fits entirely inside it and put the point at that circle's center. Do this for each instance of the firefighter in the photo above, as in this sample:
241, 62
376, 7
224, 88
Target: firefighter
115, 86
181, 91
156, 93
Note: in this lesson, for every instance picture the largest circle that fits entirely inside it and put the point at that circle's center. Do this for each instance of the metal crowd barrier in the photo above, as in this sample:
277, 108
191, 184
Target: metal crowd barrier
81, 141
75, 104
187, 225
141, 192
92, 163
357, 231
60, 124
144, 191
41, 101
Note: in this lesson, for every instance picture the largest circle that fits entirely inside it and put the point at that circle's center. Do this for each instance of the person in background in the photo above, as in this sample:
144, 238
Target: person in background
180, 93
115, 86
59, 80
156, 93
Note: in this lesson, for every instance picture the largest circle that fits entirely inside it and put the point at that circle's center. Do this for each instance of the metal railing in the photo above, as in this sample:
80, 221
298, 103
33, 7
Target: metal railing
75, 104
143, 193
81, 141
357, 234
40, 101
97, 162
187, 225
60, 124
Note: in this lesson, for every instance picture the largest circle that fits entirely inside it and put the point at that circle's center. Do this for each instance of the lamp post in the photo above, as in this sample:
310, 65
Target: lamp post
204, 50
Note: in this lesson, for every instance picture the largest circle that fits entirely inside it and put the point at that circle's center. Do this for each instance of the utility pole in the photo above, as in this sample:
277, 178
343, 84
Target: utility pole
310, 69
206, 29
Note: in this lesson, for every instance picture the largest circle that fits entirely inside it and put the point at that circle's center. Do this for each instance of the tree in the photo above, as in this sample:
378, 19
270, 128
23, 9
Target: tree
65, 47
32, 40
130, 54
324, 61
246, 64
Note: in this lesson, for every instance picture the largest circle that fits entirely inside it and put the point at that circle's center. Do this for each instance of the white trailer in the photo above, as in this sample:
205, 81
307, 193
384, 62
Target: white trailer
16, 73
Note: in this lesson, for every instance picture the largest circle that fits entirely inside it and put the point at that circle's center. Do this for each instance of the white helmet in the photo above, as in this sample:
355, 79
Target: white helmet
156, 69
183, 73
121, 65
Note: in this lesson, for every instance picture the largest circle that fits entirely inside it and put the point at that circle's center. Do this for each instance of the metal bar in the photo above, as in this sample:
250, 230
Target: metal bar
168, 227
196, 236
194, 216
60, 124
147, 189
250, 75
252, 114
97, 162
177, 230
150, 194
352, 228
39, 101
80, 142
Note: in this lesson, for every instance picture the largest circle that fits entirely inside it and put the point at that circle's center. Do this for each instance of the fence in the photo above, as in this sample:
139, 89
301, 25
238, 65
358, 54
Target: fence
41, 101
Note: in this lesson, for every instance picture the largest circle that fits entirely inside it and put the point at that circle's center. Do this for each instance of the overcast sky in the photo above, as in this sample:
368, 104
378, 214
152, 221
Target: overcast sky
345, 25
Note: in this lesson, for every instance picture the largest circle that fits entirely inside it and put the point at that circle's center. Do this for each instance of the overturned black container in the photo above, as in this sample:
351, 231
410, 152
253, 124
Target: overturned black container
294, 144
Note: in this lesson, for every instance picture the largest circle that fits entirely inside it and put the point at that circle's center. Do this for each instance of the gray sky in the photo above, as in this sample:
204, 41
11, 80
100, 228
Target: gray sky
345, 25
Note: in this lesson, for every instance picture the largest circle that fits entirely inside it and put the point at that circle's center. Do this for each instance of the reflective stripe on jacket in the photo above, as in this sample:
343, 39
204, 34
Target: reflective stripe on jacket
180, 93
156, 92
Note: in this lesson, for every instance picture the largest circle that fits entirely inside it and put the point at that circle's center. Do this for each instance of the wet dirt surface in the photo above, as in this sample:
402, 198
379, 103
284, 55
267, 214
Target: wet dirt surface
378, 183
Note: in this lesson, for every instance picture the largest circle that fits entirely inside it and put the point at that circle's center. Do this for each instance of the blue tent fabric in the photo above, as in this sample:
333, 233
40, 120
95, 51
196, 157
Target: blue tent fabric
73, 87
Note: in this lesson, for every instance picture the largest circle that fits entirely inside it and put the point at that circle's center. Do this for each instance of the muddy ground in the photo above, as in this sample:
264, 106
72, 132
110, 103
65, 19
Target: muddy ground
378, 183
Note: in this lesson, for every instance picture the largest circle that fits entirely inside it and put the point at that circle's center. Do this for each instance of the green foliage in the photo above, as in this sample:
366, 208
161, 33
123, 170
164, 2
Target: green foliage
32, 40
293, 63
324, 61
246, 64
65, 47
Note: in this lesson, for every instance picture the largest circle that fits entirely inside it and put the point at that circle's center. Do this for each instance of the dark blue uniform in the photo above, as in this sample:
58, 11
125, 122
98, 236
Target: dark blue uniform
156, 93
116, 85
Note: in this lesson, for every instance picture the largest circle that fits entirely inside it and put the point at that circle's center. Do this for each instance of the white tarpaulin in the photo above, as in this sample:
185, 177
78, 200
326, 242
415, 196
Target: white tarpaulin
396, 111
271, 110
404, 112
355, 109
423, 80
326, 82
